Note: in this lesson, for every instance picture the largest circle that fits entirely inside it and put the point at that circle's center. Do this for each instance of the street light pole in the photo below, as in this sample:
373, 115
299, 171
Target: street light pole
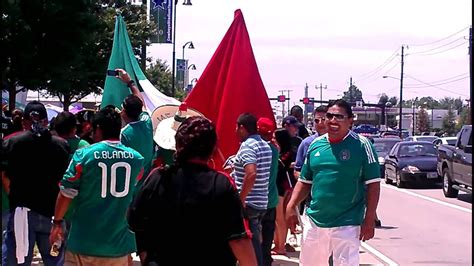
174, 52
400, 112
173, 70
191, 46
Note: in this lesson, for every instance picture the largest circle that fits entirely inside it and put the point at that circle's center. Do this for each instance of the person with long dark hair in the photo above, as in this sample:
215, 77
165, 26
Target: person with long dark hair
285, 182
191, 207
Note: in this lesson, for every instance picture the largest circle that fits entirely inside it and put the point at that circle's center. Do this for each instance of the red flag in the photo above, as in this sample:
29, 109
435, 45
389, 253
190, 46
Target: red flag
229, 86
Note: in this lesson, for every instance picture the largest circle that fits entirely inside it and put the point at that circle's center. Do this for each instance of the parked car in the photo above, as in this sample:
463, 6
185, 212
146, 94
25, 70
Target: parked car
366, 128
455, 164
394, 133
382, 147
411, 161
421, 138
445, 140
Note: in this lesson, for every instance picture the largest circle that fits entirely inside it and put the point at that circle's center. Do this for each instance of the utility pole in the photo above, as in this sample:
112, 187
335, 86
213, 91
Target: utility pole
400, 112
350, 92
283, 104
288, 110
305, 107
470, 76
321, 90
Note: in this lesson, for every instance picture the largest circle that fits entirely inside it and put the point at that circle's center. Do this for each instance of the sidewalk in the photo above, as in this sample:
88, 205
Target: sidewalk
291, 259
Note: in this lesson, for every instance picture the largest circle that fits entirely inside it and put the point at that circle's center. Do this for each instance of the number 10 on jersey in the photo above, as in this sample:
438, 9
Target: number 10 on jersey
113, 179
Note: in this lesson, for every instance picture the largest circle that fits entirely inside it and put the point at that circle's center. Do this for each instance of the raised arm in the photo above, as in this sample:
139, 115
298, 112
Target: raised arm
125, 78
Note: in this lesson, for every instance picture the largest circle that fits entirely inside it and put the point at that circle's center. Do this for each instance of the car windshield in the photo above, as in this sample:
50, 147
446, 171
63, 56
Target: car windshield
451, 142
384, 147
415, 149
426, 138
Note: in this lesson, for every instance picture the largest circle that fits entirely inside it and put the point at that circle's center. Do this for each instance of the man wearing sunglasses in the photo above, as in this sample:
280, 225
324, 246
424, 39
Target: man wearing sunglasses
319, 115
342, 173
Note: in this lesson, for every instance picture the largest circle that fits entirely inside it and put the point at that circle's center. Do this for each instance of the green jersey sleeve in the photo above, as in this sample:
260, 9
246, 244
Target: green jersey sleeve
371, 167
71, 181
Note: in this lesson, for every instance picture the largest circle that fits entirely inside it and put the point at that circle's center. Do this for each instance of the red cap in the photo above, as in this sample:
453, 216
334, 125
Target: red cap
265, 126
183, 107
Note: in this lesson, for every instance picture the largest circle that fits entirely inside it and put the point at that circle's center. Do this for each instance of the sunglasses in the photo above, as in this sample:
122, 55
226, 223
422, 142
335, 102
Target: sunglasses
338, 117
319, 120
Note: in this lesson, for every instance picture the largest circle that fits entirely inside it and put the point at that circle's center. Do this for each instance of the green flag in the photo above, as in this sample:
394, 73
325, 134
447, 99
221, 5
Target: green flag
123, 57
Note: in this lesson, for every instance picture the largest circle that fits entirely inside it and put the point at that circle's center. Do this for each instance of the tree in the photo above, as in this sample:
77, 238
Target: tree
423, 124
63, 46
463, 119
159, 75
393, 100
383, 99
352, 94
449, 122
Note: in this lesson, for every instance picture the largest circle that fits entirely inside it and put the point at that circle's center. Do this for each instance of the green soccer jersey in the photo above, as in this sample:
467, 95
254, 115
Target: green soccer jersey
138, 135
339, 173
101, 178
75, 143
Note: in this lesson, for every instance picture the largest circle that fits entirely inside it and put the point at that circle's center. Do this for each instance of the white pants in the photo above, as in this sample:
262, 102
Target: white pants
318, 244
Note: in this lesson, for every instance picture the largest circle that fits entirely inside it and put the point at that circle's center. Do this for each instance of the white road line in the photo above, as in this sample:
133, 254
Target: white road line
378, 254
428, 198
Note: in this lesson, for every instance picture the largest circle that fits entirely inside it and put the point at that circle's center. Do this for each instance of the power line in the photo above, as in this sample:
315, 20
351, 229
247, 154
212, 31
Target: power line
441, 80
380, 67
436, 48
442, 39
451, 48
431, 85
435, 86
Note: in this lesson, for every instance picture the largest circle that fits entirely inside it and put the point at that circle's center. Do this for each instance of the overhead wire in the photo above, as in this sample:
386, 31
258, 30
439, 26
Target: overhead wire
435, 86
380, 67
443, 51
441, 80
442, 39
436, 48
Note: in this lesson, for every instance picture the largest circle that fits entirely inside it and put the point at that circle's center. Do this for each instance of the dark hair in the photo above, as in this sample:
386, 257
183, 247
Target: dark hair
296, 111
283, 138
109, 121
343, 104
64, 123
132, 105
17, 117
249, 122
321, 109
196, 137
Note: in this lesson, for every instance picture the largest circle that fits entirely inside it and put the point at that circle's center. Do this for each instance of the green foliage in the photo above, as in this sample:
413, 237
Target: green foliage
63, 46
352, 94
160, 76
449, 123
464, 117
393, 101
383, 99
423, 123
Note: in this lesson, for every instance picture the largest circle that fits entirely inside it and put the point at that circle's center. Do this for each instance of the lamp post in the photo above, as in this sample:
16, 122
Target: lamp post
194, 79
192, 67
191, 46
413, 116
173, 83
400, 111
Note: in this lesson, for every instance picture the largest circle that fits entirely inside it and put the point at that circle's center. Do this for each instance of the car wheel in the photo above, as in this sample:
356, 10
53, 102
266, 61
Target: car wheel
386, 178
399, 182
448, 189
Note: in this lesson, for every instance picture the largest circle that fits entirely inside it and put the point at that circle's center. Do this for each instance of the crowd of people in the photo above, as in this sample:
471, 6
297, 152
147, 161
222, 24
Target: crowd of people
88, 190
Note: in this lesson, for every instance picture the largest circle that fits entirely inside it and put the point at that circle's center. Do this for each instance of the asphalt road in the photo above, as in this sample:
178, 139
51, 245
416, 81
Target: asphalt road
422, 227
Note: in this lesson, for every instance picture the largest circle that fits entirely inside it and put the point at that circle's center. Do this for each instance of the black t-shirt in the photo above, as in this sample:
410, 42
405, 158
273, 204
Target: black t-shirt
35, 165
302, 131
193, 211
6, 126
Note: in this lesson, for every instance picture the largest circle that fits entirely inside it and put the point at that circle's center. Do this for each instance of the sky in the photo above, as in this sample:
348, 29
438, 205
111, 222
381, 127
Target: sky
327, 42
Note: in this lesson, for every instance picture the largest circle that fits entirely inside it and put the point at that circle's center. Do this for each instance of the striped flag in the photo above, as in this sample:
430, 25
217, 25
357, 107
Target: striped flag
123, 57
